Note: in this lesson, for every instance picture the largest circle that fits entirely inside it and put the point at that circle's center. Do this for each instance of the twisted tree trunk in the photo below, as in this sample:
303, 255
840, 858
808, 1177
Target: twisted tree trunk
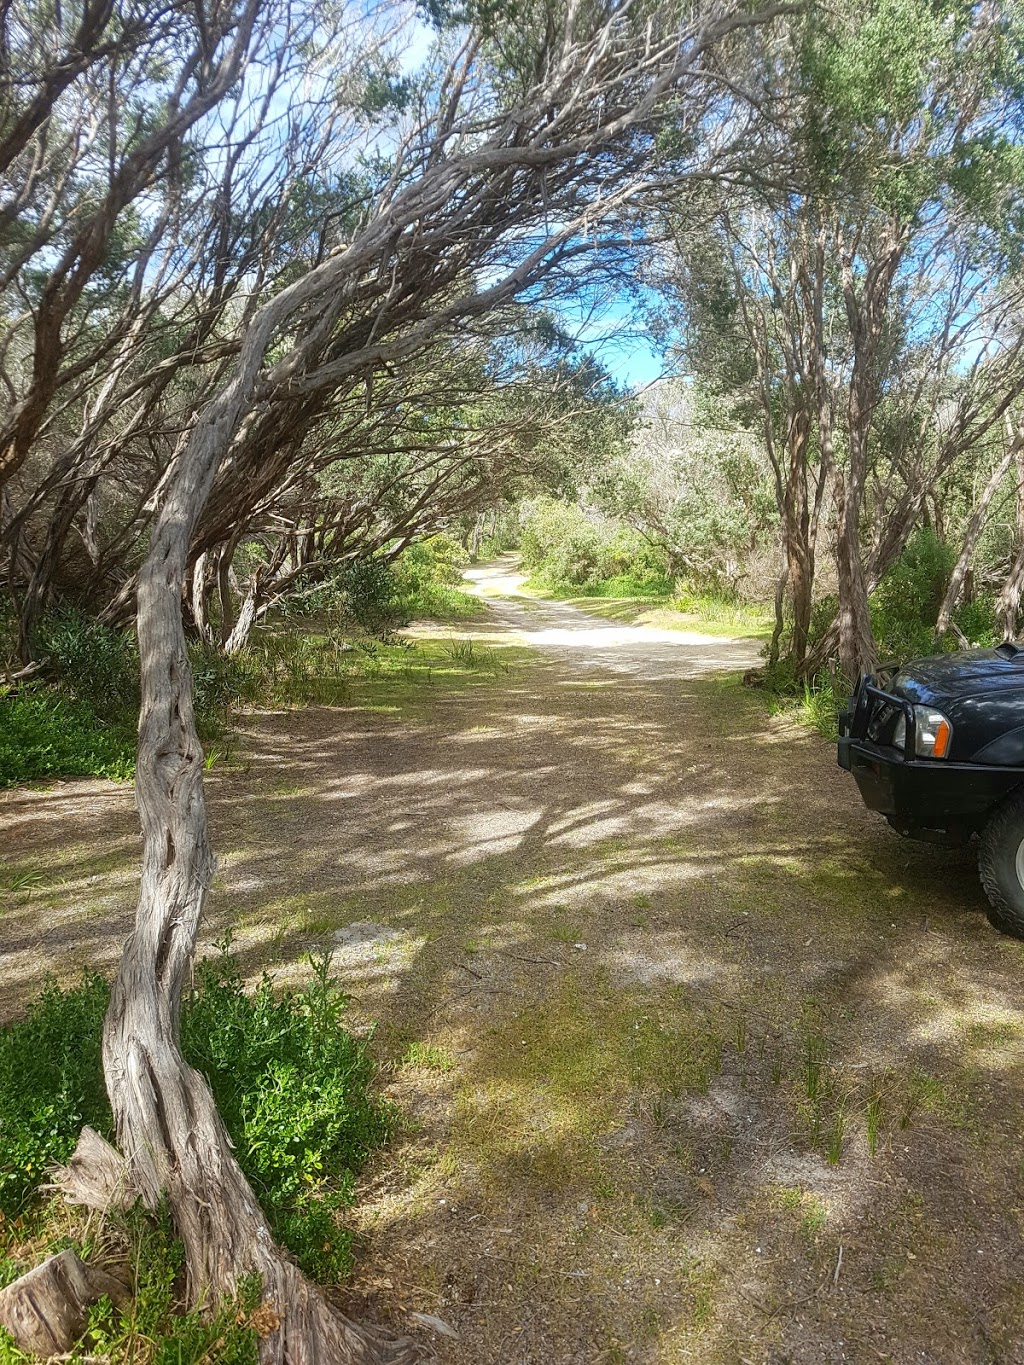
165, 1116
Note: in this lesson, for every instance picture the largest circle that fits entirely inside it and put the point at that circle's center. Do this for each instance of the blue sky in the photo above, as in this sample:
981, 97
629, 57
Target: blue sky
616, 337
630, 360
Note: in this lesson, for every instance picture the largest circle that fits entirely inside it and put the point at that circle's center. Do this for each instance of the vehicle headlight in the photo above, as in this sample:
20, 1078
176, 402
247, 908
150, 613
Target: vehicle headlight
934, 734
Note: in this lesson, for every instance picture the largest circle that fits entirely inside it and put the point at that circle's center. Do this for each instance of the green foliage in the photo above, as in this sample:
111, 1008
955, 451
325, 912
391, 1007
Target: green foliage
977, 620
568, 551
371, 594
84, 722
153, 1326
905, 605
292, 1085
51, 1083
293, 1088
153, 1314
94, 663
429, 575
560, 545
45, 733
720, 607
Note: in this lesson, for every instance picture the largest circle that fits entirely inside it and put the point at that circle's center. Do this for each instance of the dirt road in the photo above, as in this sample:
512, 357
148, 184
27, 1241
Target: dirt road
704, 1063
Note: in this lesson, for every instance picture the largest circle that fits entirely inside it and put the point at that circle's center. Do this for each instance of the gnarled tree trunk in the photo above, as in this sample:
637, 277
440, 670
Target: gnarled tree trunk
166, 1120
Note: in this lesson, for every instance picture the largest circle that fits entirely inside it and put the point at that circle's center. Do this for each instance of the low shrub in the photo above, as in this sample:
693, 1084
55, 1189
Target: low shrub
92, 662
429, 575
82, 722
720, 607
51, 1083
816, 702
45, 733
572, 553
154, 1325
293, 1087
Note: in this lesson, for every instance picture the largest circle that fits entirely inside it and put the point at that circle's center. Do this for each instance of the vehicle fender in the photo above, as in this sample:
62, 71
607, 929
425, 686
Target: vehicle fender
1005, 751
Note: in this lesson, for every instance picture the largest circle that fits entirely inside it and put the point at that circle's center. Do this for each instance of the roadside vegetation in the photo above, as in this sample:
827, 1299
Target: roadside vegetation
296, 1090
302, 308
338, 644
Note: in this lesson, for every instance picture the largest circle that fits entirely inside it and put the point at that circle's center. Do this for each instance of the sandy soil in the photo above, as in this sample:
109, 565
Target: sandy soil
712, 1066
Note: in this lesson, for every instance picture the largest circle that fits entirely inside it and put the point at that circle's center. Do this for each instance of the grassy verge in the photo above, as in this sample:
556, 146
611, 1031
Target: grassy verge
49, 731
441, 602
295, 1090
703, 612
815, 703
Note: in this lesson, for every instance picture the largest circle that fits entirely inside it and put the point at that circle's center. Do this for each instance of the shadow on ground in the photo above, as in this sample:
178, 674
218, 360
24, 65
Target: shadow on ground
717, 1068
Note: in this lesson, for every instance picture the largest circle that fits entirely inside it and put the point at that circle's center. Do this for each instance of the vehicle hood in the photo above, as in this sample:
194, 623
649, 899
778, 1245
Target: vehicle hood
968, 673
981, 693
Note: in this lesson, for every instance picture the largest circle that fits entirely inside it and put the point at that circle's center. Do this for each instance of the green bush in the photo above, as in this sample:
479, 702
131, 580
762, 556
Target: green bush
560, 545
429, 574
569, 552
84, 722
372, 595
293, 1088
292, 1085
977, 620
92, 662
44, 733
905, 605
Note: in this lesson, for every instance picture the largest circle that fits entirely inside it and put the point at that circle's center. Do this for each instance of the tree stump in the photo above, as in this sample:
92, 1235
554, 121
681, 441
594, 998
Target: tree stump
45, 1310
96, 1176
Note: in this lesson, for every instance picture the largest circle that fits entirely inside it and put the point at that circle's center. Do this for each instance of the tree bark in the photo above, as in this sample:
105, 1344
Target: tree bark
165, 1116
45, 1310
972, 535
1008, 605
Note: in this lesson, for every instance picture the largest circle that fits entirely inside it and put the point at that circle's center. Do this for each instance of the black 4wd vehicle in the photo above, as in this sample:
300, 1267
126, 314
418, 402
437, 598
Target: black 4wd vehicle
939, 751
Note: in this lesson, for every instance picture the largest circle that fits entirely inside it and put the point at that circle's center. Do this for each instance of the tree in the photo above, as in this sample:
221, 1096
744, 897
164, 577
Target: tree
506, 178
872, 291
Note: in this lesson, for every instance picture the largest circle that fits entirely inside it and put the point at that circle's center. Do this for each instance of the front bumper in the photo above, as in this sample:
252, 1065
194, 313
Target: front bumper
916, 794
921, 794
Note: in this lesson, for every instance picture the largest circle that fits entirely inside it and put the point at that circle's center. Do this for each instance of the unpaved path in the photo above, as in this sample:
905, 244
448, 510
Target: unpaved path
714, 1068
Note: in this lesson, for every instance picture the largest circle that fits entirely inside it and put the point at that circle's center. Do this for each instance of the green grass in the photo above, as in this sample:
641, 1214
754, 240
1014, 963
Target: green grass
439, 602
46, 732
426, 1057
816, 703
704, 613
154, 1325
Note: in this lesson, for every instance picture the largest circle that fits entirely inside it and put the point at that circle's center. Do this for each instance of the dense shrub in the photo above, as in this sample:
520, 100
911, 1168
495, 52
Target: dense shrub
560, 546
293, 1088
567, 551
429, 574
292, 1085
91, 662
82, 721
377, 596
905, 605
44, 733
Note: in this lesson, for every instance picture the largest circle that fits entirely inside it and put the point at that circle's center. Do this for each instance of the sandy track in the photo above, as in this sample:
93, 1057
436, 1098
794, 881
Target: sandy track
640, 923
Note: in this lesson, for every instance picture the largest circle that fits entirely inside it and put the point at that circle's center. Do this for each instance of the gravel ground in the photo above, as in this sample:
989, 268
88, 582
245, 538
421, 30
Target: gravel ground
711, 1066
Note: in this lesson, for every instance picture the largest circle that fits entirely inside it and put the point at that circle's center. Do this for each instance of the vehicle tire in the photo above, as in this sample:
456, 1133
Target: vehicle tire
1001, 865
